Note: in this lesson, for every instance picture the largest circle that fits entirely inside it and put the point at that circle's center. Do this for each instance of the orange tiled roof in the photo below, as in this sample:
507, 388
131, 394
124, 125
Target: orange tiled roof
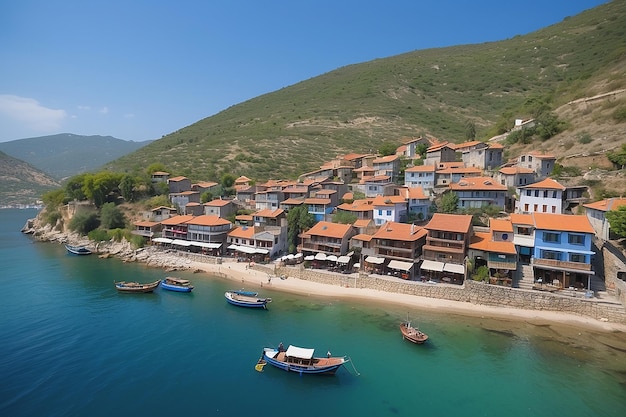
244, 232
607, 204
416, 193
501, 225
172, 221
548, 183
468, 144
388, 200
357, 205
483, 241
459, 223
386, 159
400, 231
362, 223
269, 213
526, 219
328, 229
176, 179
516, 170
477, 183
562, 222
293, 201
217, 203
438, 146
421, 168
317, 201
460, 170
363, 236
206, 220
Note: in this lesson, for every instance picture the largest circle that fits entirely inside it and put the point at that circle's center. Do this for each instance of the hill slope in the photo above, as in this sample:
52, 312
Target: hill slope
66, 154
436, 91
21, 183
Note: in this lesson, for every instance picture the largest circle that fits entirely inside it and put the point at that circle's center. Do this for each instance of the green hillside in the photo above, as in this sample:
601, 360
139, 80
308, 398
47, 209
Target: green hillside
22, 184
436, 92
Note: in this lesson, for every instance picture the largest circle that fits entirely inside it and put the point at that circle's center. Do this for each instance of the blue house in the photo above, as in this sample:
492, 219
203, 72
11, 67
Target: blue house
562, 252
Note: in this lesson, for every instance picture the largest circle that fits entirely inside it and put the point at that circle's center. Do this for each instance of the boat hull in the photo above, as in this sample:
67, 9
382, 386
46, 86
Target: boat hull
412, 334
77, 250
177, 288
270, 354
133, 287
246, 300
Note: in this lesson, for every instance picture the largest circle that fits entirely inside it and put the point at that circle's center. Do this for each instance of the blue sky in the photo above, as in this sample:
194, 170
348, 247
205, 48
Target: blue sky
139, 70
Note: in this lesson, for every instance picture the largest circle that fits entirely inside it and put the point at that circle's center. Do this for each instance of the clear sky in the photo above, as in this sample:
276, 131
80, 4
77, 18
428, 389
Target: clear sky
141, 69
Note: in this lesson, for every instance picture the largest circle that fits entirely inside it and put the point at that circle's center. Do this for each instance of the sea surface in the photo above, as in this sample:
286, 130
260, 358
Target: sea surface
70, 345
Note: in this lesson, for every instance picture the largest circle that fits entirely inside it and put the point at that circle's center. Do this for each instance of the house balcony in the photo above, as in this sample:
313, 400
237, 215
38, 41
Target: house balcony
321, 247
396, 253
577, 267
446, 249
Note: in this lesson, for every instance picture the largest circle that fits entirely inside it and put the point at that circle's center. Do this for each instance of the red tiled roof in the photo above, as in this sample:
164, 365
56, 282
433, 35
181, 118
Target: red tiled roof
477, 183
328, 229
607, 204
206, 220
483, 241
548, 183
562, 222
400, 231
459, 223
176, 220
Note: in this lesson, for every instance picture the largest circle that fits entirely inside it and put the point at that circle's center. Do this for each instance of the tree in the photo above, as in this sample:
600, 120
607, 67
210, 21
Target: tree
617, 220
111, 216
227, 182
298, 220
127, 187
84, 222
448, 203
74, 188
388, 148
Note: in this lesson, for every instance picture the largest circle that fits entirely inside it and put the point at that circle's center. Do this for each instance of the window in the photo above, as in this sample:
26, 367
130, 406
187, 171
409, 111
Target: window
550, 254
536, 193
553, 209
545, 193
554, 194
388, 212
577, 257
526, 207
575, 239
545, 208
536, 207
380, 212
528, 193
550, 237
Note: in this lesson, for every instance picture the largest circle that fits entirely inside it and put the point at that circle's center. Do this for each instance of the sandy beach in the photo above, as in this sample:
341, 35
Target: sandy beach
255, 279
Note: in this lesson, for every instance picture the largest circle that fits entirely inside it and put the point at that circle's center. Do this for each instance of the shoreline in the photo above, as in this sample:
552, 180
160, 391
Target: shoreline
238, 271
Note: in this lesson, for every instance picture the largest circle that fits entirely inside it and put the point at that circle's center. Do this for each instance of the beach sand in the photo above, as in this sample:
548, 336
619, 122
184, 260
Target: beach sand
251, 278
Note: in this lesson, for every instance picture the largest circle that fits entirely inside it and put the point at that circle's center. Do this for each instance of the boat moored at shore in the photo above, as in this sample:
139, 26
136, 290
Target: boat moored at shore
302, 361
176, 284
135, 287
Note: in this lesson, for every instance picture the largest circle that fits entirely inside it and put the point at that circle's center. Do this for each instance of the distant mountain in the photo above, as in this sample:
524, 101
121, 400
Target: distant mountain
66, 154
21, 183
435, 92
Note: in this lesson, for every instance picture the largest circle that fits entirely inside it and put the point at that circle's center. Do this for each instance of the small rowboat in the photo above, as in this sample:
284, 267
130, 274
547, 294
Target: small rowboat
77, 250
246, 299
176, 284
135, 287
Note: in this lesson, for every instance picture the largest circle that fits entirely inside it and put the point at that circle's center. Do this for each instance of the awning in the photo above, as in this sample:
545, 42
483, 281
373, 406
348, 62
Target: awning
206, 245
246, 249
162, 240
332, 258
262, 251
320, 256
356, 265
298, 352
233, 246
343, 259
374, 260
298, 255
180, 242
432, 265
403, 266
454, 268
309, 258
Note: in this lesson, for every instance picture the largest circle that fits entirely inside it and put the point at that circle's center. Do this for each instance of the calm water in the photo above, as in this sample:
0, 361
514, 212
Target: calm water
70, 345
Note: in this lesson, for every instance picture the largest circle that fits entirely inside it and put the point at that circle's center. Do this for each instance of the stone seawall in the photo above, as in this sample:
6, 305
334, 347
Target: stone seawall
471, 292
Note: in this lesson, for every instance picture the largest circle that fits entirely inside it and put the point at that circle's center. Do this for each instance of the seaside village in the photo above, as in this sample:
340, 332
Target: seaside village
539, 241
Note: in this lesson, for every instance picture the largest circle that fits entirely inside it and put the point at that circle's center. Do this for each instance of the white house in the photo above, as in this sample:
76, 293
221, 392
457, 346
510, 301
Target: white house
541, 197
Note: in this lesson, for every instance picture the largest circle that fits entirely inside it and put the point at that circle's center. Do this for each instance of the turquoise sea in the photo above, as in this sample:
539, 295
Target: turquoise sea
70, 345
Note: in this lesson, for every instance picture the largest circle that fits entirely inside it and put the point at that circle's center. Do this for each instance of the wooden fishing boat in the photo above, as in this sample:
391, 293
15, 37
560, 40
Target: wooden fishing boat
135, 287
176, 284
301, 360
412, 334
77, 250
246, 299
